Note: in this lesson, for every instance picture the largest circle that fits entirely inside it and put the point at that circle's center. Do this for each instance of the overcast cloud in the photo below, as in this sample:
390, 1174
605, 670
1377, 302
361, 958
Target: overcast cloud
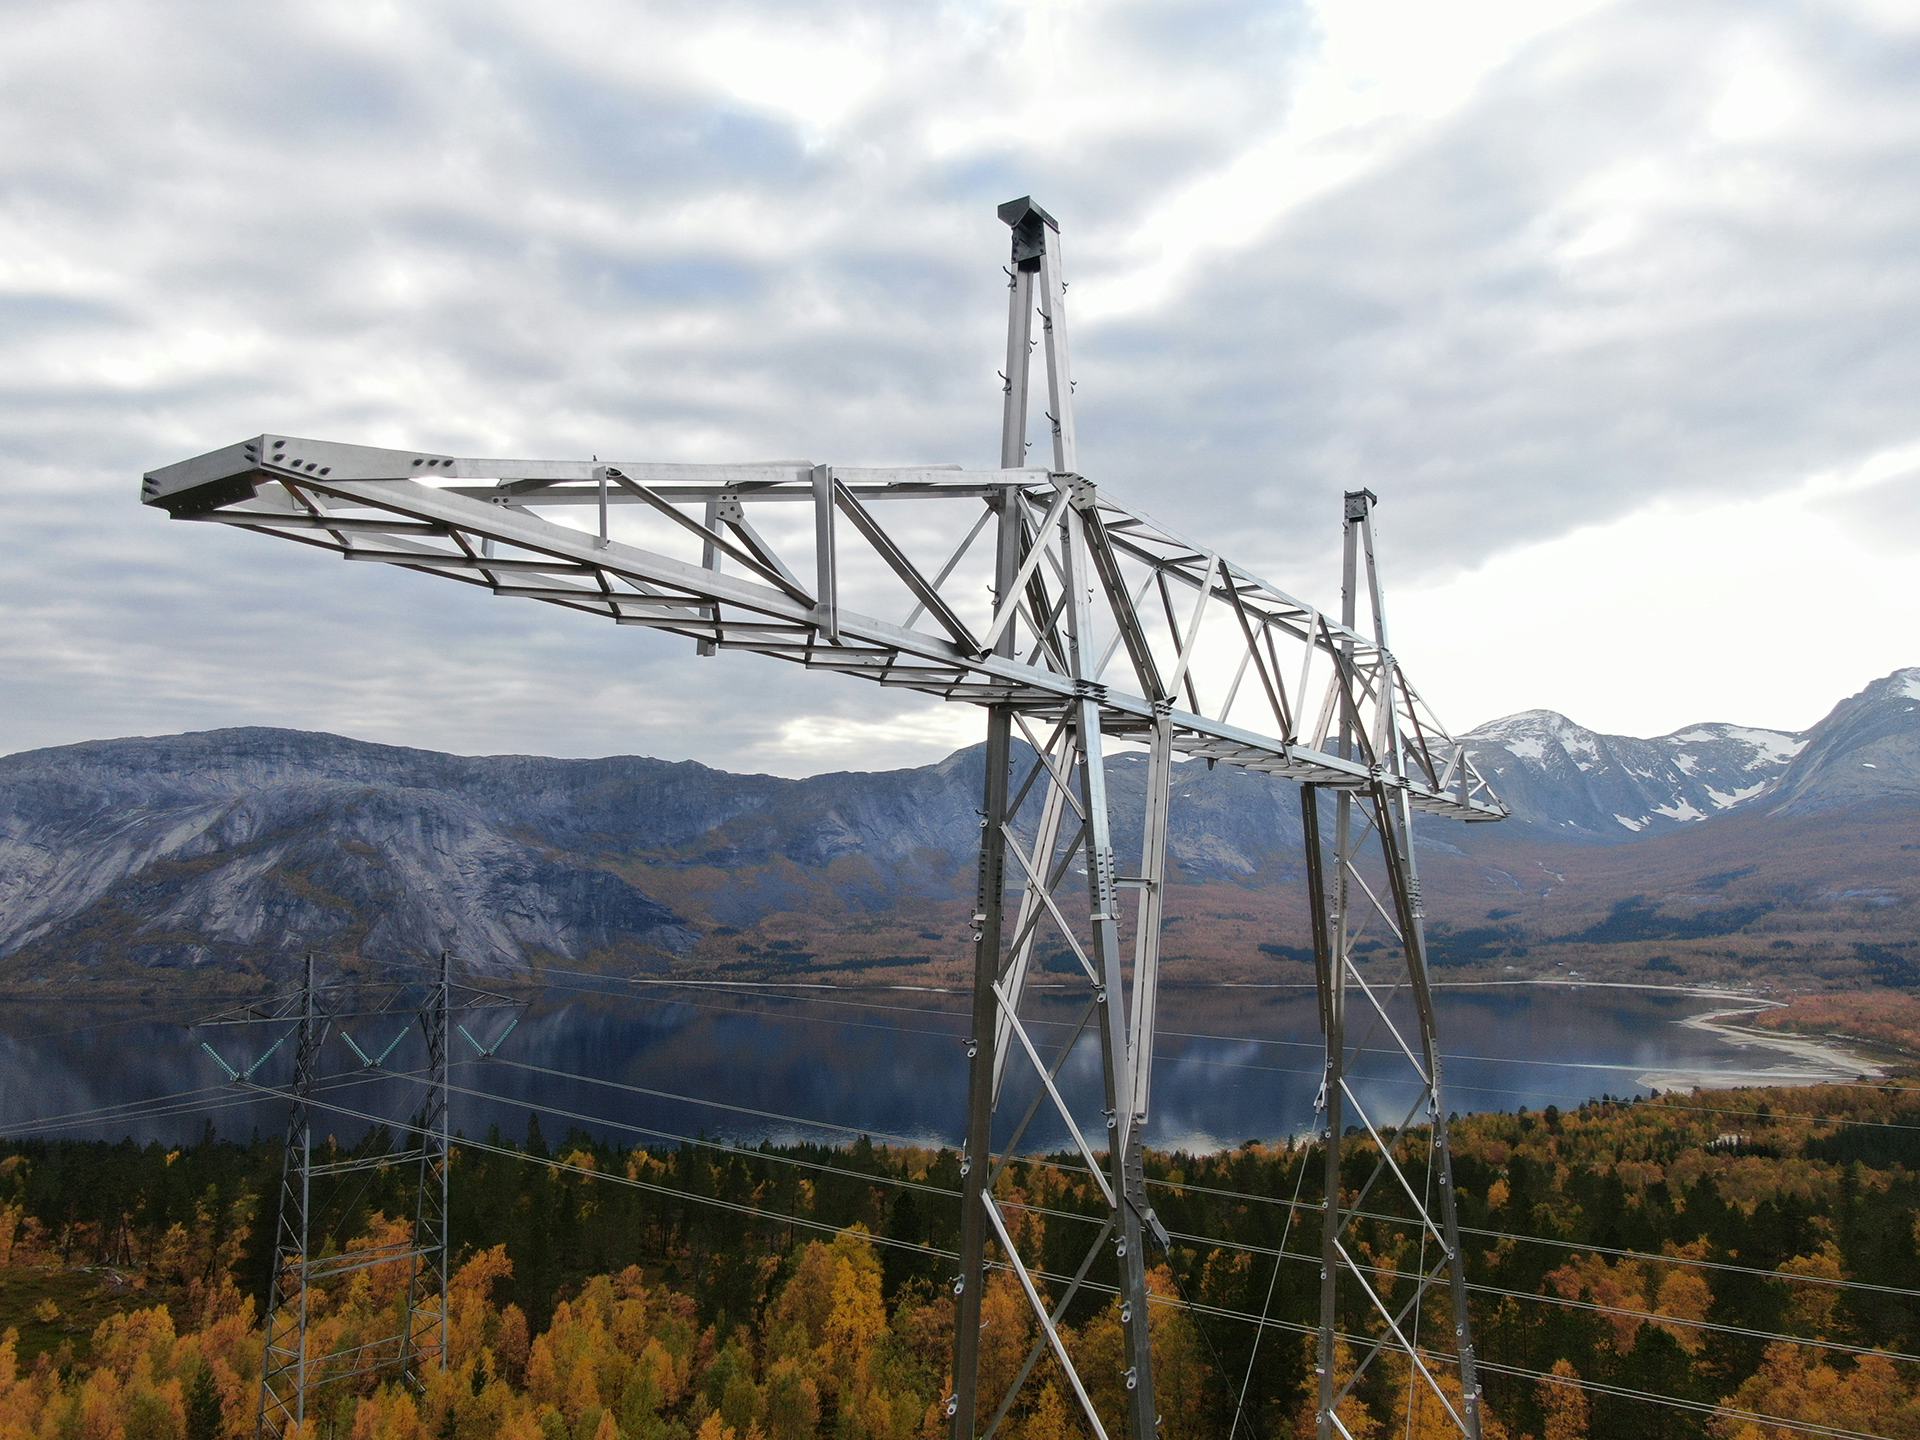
1615, 306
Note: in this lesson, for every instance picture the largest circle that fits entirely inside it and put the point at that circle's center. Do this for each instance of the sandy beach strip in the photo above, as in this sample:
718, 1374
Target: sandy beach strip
1817, 1061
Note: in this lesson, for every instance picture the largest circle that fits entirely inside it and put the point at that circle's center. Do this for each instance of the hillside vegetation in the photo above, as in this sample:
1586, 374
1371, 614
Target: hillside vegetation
605, 1293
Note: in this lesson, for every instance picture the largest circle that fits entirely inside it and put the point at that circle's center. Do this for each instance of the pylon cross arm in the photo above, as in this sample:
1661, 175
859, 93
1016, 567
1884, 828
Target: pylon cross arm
717, 577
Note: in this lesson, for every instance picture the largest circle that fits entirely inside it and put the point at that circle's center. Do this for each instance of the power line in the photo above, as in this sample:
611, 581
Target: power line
187, 1102
1827, 1432
1214, 1242
131, 1110
79, 1117
746, 1152
1645, 1256
160, 1017
618, 987
1675, 1402
169, 1103
1625, 1392
1273, 1283
1658, 1102
1450, 1088
633, 1181
1157, 1183
1568, 1302
1688, 1261
772, 989
774, 1115
1718, 1328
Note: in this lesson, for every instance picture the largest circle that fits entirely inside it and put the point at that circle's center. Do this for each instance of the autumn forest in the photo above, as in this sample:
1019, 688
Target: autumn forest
1749, 1255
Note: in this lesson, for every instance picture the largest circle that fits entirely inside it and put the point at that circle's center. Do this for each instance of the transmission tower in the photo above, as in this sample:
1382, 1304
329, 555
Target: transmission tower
1068, 767
291, 1371
284, 1364
1082, 628
1374, 891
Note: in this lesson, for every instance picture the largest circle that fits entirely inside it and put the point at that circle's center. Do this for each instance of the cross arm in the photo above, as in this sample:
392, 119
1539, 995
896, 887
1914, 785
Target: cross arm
503, 524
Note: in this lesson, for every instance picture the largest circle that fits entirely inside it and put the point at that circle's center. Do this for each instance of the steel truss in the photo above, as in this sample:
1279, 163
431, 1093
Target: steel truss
1367, 917
1079, 625
308, 1016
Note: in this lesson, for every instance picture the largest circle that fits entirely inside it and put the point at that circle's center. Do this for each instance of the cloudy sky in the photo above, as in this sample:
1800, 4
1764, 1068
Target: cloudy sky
1616, 306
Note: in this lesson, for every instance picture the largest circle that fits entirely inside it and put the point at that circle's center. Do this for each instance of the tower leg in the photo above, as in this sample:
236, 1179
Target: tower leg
1332, 996
977, 1161
1070, 780
1116, 1169
283, 1368
1123, 1144
1396, 833
423, 1329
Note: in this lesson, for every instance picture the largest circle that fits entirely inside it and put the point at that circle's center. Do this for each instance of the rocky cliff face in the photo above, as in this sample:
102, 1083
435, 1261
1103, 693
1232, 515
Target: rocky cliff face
232, 846
235, 850
1866, 752
210, 849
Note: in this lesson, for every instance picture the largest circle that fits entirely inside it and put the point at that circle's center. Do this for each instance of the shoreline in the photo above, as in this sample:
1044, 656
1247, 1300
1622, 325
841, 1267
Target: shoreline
1803, 1060
1838, 1062
1705, 992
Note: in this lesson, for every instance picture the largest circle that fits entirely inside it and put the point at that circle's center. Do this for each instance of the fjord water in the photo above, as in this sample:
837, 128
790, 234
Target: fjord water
1233, 1064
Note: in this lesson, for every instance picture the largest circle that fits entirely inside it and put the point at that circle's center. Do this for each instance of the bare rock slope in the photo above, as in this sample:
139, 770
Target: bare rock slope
231, 851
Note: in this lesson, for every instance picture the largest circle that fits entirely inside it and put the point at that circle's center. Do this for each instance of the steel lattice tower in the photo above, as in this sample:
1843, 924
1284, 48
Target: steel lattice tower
1082, 628
291, 1371
1068, 766
423, 1330
1375, 884
283, 1369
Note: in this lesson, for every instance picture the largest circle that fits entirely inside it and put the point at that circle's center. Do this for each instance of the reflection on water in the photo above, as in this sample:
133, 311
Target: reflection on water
1232, 1064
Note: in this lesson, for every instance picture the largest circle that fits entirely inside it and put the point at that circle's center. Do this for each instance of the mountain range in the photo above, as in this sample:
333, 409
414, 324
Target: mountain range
1719, 852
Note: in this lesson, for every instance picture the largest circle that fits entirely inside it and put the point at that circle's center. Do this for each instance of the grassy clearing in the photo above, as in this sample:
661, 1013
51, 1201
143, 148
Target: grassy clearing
50, 1306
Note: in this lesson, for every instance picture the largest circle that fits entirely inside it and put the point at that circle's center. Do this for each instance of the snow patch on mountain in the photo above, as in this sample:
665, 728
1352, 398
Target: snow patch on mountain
1556, 773
1770, 746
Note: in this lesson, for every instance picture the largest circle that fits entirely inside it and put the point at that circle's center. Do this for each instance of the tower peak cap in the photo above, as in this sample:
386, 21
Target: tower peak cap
1016, 213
